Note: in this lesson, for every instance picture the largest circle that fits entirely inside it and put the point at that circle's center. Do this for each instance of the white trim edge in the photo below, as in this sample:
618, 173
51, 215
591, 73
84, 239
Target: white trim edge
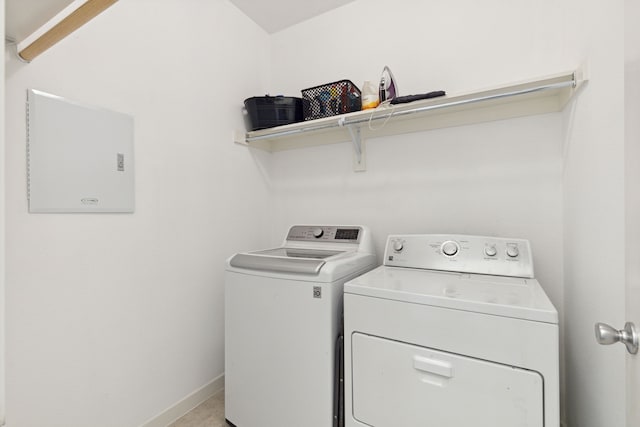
183, 406
2, 233
22, 45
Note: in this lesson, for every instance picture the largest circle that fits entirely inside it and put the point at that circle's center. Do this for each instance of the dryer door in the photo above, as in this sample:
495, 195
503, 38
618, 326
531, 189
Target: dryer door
402, 385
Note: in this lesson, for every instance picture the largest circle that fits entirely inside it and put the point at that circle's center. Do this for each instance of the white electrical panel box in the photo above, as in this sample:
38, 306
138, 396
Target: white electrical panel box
80, 158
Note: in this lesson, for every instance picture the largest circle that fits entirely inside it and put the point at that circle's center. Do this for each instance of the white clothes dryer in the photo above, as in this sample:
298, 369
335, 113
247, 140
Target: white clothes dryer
283, 324
452, 331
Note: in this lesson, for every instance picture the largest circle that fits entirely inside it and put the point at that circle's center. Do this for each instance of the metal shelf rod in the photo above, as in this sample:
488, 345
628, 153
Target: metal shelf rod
461, 102
345, 121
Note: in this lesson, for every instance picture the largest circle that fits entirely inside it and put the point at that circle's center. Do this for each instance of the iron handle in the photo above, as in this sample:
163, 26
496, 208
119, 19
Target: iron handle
607, 335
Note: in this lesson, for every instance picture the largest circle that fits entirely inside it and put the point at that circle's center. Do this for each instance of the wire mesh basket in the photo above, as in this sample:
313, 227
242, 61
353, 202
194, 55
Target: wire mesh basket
331, 99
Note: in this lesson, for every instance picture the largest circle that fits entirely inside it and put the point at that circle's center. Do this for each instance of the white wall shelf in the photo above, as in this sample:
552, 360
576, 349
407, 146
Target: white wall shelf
536, 96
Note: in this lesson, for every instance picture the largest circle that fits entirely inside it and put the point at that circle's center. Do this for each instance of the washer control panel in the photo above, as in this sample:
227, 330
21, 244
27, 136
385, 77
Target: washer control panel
325, 233
461, 253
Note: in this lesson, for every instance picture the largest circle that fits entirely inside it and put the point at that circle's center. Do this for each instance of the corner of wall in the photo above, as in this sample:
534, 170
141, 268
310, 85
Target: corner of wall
186, 404
2, 246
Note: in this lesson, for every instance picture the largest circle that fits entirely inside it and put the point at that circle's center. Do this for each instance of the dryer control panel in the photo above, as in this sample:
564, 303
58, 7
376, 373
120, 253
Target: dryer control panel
461, 253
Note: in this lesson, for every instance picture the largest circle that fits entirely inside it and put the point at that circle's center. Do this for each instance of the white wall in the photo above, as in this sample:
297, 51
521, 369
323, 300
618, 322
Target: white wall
632, 195
594, 218
502, 178
113, 318
2, 235
496, 178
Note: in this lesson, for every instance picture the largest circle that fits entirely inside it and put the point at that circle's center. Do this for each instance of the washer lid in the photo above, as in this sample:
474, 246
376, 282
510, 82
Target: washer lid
285, 260
495, 295
298, 253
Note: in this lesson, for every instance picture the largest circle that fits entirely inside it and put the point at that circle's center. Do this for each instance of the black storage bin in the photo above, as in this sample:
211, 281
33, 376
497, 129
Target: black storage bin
269, 111
331, 99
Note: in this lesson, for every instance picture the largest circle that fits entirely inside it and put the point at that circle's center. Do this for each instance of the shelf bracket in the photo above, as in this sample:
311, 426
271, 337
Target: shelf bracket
359, 164
240, 137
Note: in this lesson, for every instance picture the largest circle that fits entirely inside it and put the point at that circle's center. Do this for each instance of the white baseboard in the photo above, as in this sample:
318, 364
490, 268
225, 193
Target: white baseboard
183, 406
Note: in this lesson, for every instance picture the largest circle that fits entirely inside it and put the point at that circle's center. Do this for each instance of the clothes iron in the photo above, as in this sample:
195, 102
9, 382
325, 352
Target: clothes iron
388, 88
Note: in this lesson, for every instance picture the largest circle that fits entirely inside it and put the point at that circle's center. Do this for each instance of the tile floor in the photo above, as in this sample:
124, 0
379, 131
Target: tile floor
209, 413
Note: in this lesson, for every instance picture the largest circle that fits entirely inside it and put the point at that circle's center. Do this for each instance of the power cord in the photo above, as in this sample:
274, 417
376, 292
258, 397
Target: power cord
385, 105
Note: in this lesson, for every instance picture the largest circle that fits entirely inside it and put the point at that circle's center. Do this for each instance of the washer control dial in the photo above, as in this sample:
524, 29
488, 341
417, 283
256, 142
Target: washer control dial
450, 248
513, 251
490, 251
318, 232
398, 246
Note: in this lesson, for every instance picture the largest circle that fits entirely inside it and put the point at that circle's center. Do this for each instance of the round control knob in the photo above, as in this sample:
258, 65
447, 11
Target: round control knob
398, 246
512, 251
450, 248
318, 232
490, 251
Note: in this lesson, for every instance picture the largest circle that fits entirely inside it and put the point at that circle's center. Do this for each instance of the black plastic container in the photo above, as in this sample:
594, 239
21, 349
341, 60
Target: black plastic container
270, 111
331, 99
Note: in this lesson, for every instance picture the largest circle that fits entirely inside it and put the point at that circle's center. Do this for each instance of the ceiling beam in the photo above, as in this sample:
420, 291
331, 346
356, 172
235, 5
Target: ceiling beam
66, 22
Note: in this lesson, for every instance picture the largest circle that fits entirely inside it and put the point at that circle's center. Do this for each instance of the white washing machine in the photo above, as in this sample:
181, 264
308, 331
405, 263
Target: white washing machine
451, 331
283, 324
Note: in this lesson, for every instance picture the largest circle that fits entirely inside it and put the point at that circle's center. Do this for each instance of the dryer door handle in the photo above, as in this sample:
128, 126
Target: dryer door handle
433, 366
